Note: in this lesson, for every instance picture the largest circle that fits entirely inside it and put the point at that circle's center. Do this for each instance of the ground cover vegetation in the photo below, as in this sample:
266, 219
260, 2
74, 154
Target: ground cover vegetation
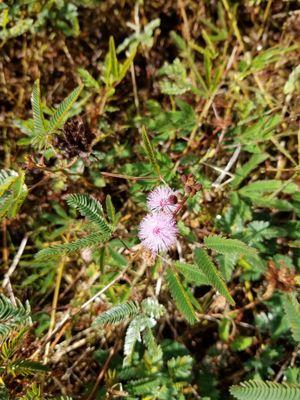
149, 200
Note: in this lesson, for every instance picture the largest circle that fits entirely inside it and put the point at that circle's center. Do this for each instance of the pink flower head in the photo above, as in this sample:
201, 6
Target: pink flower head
158, 232
162, 198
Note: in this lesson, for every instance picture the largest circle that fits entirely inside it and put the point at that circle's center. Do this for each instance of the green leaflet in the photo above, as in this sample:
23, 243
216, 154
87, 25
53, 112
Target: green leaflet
26, 367
228, 246
150, 151
259, 188
61, 113
118, 313
88, 79
113, 65
260, 390
91, 209
12, 317
292, 310
110, 209
192, 273
40, 132
133, 334
213, 275
60, 249
180, 296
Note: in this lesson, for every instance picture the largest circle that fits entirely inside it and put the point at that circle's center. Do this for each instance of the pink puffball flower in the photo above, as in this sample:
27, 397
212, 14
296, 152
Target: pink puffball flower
158, 232
163, 199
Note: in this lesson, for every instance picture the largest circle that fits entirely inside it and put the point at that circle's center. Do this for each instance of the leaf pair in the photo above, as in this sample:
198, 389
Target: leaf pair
12, 316
203, 273
42, 128
143, 317
93, 211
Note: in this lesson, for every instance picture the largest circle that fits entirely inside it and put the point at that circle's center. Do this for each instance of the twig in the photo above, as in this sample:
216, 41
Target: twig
127, 177
15, 261
232, 160
54, 304
102, 372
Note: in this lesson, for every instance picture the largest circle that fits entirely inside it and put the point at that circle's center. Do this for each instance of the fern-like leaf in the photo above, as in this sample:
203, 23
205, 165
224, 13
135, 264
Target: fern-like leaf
152, 308
213, 275
192, 273
133, 334
91, 209
150, 151
38, 117
180, 296
118, 313
228, 246
12, 317
25, 367
260, 390
61, 113
292, 310
60, 249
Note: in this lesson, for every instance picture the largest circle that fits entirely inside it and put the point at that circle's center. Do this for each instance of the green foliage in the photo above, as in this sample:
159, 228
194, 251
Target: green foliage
264, 58
213, 96
212, 274
260, 390
57, 250
242, 172
92, 209
13, 192
118, 313
88, 80
259, 191
12, 316
25, 368
292, 310
192, 273
61, 113
133, 334
258, 132
110, 209
17, 18
33, 393
180, 296
42, 130
228, 246
179, 121
144, 38
165, 374
38, 117
143, 317
3, 392
175, 82
114, 71
150, 152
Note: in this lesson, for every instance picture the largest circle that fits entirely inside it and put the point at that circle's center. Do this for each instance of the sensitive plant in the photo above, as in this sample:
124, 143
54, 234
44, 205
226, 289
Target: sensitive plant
194, 122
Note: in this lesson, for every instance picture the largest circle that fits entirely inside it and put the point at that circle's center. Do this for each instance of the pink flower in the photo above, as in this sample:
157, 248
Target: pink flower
162, 198
158, 232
